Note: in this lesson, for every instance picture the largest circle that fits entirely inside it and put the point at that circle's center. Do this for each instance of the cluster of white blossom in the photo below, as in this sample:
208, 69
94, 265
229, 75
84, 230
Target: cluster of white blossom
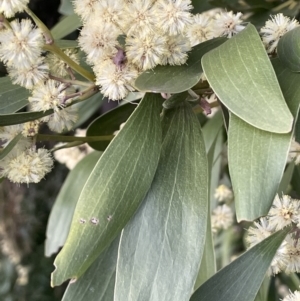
10, 7
154, 32
285, 211
222, 216
24, 163
27, 64
121, 39
21, 50
274, 29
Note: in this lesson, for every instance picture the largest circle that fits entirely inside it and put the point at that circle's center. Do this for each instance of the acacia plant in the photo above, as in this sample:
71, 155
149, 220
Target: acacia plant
201, 86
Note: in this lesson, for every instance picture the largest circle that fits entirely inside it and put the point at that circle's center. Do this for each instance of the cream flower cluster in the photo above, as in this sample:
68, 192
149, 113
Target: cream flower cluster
21, 50
285, 211
24, 163
124, 38
274, 29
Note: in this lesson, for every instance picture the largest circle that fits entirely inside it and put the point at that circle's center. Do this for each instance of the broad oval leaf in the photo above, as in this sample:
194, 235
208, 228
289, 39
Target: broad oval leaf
12, 97
257, 158
62, 212
162, 246
108, 123
176, 79
242, 278
256, 163
114, 190
288, 49
98, 283
242, 76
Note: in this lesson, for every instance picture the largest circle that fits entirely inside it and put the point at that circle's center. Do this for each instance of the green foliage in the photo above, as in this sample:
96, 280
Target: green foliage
249, 149
99, 280
12, 97
102, 210
242, 76
138, 221
108, 123
177, 210
17, 118
289, 49
248, 271
62, 212
10, 146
